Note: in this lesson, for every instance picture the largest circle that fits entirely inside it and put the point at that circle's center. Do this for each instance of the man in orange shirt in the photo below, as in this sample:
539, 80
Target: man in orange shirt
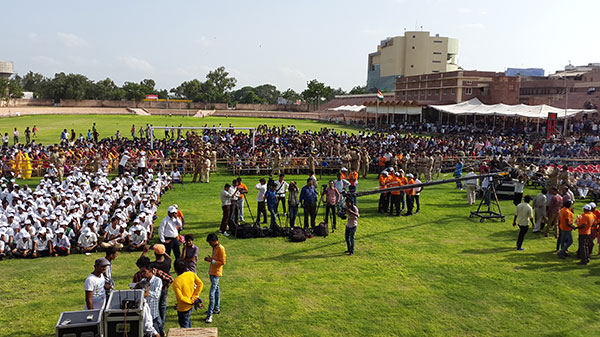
394, 181
353, 180
584, 224
383, 197
243, 189
215, 271
565, 238
410, 201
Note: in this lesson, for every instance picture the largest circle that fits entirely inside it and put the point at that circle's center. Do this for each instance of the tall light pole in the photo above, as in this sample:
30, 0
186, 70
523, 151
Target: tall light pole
566, 105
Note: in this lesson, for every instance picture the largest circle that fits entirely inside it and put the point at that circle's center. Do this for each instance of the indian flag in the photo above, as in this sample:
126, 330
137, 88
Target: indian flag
379, 95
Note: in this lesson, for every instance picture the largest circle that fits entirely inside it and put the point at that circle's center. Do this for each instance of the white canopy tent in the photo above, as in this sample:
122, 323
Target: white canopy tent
475, 107
353, 108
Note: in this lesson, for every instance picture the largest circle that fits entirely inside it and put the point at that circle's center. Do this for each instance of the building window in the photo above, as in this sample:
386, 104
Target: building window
430, 92
412, 66
468, 91
468, 83
435, 71
437, 53
511, 87
445, 92
437, 61
437, 41
452, 92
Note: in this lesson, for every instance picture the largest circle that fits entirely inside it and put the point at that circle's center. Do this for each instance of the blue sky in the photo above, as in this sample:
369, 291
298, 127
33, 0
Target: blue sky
285, 43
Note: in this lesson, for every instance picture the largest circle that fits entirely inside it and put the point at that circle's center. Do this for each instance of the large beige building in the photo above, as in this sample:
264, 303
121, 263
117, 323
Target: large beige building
415, 53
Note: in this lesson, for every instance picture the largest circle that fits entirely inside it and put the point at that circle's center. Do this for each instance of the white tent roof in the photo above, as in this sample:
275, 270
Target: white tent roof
354, 108
474, 106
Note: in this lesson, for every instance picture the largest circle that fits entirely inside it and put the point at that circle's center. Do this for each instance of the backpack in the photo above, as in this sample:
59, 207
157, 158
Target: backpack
267, 232
285, 231
322, 229
297, 235
275, 230
308, 233
244, 232
257, 231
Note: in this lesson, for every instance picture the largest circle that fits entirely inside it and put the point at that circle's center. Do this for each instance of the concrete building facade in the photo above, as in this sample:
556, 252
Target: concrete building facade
458, 86
415, 53
6, 69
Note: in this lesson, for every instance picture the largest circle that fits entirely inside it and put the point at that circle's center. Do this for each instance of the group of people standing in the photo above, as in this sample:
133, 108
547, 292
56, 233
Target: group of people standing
154, 278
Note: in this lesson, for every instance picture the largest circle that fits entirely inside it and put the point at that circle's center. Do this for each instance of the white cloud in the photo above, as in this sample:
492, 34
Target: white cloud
206, 41
473, 26
136, 64
32, 36
72, 40
292, 73
464, 10
44, 60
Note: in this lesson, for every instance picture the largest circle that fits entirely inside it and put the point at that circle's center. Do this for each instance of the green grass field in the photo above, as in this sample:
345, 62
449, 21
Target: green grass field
438, 273
50, 126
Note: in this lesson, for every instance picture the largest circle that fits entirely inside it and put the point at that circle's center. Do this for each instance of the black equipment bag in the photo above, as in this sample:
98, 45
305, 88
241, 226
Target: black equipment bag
257, 231
244, 232
297, 235
308, 233
275, 230
322, 229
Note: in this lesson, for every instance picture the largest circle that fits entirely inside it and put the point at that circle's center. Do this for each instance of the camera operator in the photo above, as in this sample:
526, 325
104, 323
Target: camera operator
332, 198
281, 187
226, 194
260, 200
308, 201
340, 184
293, 202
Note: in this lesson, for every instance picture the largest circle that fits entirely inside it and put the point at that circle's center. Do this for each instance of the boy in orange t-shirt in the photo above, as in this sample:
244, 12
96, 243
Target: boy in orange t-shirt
565, 238
584, 224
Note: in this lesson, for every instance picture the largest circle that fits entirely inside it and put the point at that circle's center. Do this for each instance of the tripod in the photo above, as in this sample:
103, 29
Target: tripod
490, 199
249, 209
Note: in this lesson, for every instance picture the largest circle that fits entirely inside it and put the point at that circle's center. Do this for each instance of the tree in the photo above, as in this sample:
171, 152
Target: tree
104, 89
218, 85
357, 90
246, 95
71, 86
163, 94
10, 88
268, 93
148, 86
189, 90
317, 92
291, 96
134, 91
32, 82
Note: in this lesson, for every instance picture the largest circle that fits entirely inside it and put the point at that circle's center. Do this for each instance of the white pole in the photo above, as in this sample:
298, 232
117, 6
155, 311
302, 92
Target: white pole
566, 106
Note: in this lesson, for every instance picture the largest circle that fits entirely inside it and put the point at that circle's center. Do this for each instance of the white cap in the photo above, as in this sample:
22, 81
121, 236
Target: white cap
587, 207
592, 204
60, 230
172, 209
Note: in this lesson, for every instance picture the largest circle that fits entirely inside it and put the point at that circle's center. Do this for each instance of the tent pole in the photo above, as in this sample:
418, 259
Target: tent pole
538, 126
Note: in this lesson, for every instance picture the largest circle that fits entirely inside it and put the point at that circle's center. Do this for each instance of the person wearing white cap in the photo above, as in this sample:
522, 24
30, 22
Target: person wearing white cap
141, 165
87, 241
168, 232
24, 246
137, 237
43, 243
124, 158
62, 245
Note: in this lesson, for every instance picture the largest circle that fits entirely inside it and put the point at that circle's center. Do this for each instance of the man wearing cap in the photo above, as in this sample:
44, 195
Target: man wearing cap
62, 245
43, 243
410, 195
87, 241
95, 292
124, 158
24, 246
137, 237
383, 197
584, 224
168, 233
523, 216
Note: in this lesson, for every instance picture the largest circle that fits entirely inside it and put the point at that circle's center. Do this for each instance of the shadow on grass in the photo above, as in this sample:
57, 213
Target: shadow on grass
299, 254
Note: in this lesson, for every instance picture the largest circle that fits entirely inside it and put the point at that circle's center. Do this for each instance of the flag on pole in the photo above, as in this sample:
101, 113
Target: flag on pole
379, 95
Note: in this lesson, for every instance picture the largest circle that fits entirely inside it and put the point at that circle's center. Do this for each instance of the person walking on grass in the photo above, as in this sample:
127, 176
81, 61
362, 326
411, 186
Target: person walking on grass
215, 271
351, 225
187, 287
523, 216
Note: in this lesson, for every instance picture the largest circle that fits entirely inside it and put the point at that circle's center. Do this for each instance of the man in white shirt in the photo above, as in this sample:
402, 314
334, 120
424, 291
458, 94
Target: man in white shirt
62, 245
141, 166
226, 195
261, 208
176, 177
43, 243
169, 231
24, 246
87, 241
472, 185
281, 187
95, 284
523, 216
539, 205
124, 158
137, 237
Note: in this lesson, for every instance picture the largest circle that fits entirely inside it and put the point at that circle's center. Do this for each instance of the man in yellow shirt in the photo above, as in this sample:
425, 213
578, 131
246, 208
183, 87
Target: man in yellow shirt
215, 271
187, 287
